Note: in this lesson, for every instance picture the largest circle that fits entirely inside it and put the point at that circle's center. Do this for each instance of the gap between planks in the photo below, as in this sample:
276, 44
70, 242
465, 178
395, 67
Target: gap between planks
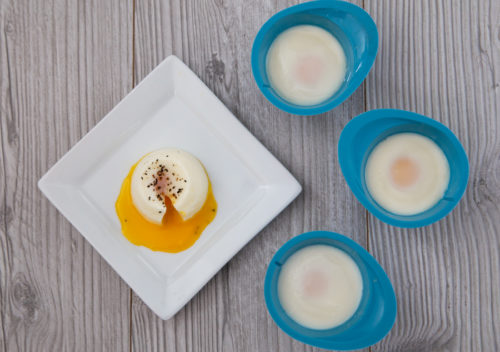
131, 293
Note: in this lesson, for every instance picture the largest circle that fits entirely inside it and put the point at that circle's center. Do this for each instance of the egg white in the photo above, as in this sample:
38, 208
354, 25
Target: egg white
338, 299
290, 49
184, 181
430, 184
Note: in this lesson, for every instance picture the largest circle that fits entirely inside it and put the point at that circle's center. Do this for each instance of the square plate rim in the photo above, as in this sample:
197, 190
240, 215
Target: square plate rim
287, 188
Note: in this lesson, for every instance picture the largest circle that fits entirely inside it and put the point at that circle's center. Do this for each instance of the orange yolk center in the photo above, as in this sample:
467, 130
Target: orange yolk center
309, 70
404, 172
315, 284
174, 234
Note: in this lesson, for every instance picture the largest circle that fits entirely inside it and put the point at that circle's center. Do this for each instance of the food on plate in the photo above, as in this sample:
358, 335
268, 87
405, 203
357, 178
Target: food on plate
166, 201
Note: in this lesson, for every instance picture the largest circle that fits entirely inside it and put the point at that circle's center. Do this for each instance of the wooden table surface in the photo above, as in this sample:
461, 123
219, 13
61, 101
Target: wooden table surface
65, 63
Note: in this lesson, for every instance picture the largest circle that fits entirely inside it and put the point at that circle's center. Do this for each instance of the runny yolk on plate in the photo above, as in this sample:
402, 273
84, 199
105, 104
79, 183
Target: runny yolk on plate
404, 172
174, 234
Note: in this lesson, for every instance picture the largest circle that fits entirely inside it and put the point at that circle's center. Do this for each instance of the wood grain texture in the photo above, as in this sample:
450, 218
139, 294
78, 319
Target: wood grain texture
214, 39
442, 59
63, 65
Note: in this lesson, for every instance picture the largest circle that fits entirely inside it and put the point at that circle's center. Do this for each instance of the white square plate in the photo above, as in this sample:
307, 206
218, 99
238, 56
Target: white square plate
171, 107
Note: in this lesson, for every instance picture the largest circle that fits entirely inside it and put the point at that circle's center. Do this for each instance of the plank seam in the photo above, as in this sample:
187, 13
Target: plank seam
131, 293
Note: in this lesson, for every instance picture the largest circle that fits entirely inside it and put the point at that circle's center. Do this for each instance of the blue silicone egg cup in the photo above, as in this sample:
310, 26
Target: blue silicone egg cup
365, 131
372, 320
351, 25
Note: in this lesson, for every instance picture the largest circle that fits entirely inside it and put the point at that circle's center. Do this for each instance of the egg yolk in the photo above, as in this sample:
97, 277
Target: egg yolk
309, 70
404, 172
315, 284
174, 234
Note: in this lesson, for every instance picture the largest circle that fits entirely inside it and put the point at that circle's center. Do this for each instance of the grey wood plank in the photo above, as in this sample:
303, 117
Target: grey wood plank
442, 59
214, 39
63, 66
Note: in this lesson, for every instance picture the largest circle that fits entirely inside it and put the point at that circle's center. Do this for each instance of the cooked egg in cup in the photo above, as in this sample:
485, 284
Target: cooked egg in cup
306, 65
407, 173
320, 286
166, 201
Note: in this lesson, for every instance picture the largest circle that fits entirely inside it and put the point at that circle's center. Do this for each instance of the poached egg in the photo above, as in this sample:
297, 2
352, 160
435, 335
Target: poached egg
407, 173
320, 286
166, 201
306, 65
171, 173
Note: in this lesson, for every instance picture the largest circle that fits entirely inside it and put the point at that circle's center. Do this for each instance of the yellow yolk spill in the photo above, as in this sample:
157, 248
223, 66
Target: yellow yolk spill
404, 172
174, 234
